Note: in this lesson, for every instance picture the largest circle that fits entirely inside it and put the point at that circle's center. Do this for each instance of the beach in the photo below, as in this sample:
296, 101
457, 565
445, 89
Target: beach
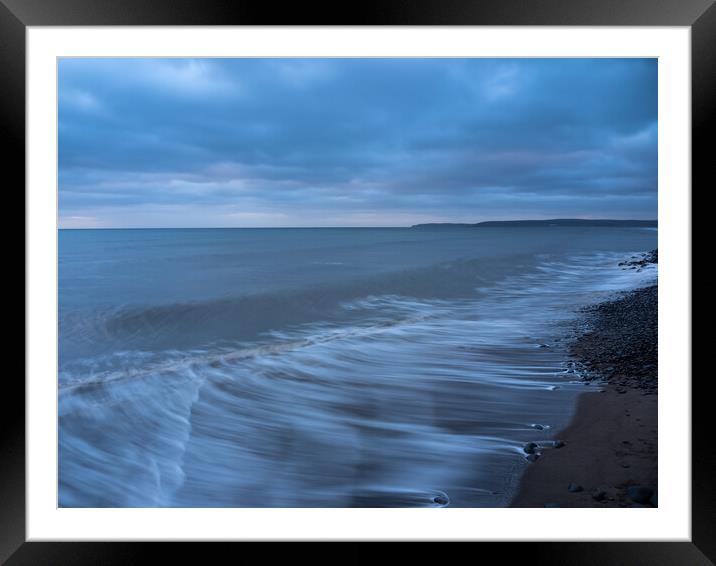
609, 450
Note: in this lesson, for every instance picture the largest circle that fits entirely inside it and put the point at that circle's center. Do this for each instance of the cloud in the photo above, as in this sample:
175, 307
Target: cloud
176, 142
69, 221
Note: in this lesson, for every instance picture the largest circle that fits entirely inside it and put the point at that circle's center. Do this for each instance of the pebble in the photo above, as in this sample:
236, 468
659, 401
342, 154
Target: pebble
599, 495
559, 444
532, 457
441, 500
530, 448
639, 494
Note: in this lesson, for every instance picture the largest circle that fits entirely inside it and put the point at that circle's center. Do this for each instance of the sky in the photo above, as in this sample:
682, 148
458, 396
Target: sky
354, 142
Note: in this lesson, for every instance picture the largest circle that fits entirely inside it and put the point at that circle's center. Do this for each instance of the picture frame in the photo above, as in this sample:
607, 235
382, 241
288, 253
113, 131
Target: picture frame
17, 15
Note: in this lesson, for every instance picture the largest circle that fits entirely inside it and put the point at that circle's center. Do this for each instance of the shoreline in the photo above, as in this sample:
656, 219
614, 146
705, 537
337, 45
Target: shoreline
609, 449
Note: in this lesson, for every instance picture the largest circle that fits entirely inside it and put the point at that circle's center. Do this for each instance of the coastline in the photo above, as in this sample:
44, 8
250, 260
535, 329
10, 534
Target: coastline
610, 448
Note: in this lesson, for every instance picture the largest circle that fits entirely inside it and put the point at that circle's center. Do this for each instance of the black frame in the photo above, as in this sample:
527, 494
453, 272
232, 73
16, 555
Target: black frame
15, 15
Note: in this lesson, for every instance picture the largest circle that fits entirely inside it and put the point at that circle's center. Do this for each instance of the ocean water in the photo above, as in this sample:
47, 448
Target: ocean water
320, 367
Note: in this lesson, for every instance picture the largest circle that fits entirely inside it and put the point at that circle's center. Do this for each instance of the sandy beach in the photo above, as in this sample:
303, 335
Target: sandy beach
609, 452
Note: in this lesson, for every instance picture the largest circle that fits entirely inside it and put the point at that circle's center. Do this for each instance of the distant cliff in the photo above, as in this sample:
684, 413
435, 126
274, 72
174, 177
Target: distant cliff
555, 222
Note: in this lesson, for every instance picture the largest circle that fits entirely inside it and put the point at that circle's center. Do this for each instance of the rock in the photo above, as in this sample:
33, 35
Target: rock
530, 448
544, 345
574, 488
599, 495
441, 499
532, 457
559, 444
537, 426
639, 494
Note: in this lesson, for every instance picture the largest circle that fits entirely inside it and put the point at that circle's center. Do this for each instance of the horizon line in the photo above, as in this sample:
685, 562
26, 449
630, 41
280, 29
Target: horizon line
351, 227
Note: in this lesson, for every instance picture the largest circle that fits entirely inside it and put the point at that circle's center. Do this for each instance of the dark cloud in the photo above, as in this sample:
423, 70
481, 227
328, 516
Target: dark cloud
248, 142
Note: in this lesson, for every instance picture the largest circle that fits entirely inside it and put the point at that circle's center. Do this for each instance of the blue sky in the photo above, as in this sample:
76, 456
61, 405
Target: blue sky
354, 142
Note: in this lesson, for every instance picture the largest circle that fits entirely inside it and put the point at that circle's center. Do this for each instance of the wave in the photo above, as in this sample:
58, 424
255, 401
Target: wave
195, 324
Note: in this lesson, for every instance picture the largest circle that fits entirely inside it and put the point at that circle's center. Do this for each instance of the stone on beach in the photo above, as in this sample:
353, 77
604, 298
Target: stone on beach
530, 447
599, 495
639, 494
441, 500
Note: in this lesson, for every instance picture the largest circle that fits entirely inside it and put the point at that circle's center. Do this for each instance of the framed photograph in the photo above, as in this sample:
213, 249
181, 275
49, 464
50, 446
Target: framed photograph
420, 275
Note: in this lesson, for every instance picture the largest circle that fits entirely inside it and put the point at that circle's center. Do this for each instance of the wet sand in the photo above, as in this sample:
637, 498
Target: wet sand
610, 445
609, 457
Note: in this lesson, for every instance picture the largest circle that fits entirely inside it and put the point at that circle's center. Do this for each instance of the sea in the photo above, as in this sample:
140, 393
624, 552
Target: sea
321, 367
